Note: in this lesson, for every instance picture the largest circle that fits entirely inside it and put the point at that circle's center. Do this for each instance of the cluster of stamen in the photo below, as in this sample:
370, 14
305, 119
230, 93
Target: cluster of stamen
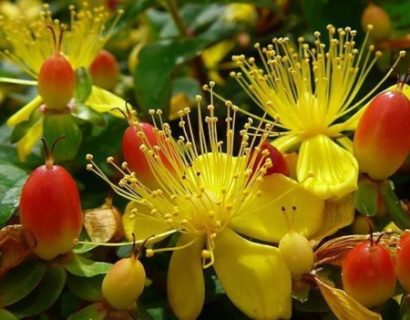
202, 183
309, 88
31, 42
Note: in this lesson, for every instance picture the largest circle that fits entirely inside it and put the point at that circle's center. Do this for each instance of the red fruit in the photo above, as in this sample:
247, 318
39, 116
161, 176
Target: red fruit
379, 19
279, 164
50, 209
368, 274
124, 283
403, 260
56, 79
105, 70
56, 82
135, 158
382, 138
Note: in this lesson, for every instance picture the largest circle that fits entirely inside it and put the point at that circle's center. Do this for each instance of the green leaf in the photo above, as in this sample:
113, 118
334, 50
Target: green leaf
131, 10
44, 296
84, 267
88, 289
365, 198
399, 216
83, 112
11, 182
83, 85
340, 13
20, 281
96, 311
21, 129
259, 3
5, 315
57, 125
152, 76
83, 248
399, 13
189, 86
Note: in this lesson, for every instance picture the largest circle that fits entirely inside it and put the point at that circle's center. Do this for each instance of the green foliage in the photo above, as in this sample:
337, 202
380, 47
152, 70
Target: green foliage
88, 289
169, 38
12, 179
83, 267
20, 281
84, 85
365, 197
397, 213
44, 296
62, 125
6, 315
153, 73
95, 311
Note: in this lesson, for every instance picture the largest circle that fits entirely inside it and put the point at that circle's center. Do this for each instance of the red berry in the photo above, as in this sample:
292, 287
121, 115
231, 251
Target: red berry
379, 19
279, 164
56, 82
50, 209
382, 138
403, 260
368, 274
124, 283
133, 155
112, 4
105, 70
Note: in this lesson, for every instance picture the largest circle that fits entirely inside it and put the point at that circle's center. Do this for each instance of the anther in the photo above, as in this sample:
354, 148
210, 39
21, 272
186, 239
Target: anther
149, 253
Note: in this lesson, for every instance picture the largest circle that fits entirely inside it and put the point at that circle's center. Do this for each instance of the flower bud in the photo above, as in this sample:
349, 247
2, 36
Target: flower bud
124, 283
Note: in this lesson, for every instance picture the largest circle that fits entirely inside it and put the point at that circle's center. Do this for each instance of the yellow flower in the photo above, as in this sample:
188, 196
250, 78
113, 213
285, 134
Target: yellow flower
217, 200
28, 8
310, 92
31, 43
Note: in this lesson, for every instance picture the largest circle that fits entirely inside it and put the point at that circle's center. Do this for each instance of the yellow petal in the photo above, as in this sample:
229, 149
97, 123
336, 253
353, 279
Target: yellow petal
265, 220
24, 113
326, 168
223, 167
343, 306
141, 223
254, 276
349, 125
104, 101
346, 143
214, 54
26, 144
185, 283
286, 142
339, 213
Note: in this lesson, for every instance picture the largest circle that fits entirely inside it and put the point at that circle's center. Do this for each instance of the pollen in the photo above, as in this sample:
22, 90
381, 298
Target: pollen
204, 178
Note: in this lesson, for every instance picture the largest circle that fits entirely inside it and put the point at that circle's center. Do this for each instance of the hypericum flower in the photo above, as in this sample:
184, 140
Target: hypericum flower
310, 92
28, 8
212, 193
31, 43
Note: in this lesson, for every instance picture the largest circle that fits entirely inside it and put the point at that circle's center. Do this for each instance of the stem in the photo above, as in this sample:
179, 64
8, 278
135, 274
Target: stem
48, 153
18, 81
197, 63
173, 10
